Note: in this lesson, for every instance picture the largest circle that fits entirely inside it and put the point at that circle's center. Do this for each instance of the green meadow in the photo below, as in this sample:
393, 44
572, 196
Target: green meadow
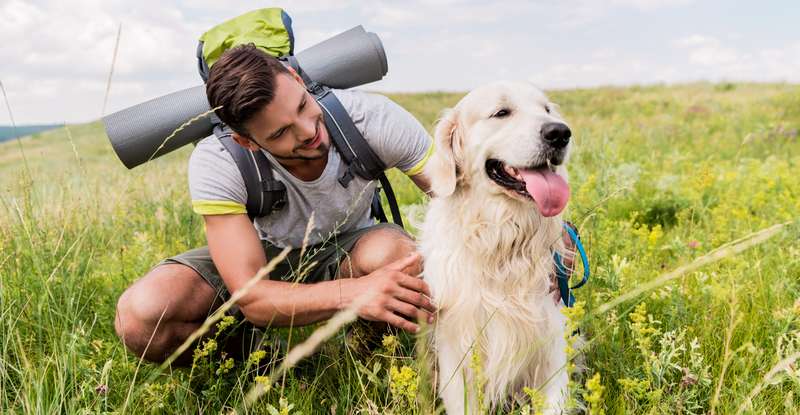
661, 177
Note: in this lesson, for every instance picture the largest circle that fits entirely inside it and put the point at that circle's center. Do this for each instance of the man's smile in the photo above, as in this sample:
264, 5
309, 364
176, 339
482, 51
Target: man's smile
315, 142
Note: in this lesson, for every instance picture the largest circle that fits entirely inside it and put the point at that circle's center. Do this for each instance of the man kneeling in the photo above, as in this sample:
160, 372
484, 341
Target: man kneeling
269, 110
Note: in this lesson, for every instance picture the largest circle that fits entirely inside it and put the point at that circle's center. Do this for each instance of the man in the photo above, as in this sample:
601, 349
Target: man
268, 108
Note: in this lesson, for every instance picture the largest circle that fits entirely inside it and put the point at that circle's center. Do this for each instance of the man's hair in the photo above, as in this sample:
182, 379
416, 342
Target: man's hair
242, 82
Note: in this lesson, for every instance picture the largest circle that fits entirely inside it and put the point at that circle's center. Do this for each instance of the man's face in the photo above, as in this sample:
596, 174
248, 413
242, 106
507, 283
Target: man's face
291, 127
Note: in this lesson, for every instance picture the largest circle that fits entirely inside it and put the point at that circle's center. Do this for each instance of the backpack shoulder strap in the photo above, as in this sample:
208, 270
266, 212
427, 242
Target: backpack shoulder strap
357, 154
264, 193
355, 150
393, 207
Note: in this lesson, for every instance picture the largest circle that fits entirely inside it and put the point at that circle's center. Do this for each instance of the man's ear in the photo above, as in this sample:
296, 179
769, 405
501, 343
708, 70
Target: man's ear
244, 141
443, 167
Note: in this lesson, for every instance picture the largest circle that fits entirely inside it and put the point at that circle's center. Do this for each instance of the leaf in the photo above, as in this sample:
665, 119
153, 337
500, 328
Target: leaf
272, 410
372, 377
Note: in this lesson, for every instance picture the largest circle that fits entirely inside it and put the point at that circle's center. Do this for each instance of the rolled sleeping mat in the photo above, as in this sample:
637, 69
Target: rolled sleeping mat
352, 58
139, 133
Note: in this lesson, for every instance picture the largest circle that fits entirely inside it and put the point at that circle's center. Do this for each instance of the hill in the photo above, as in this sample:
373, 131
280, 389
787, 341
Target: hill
8, 132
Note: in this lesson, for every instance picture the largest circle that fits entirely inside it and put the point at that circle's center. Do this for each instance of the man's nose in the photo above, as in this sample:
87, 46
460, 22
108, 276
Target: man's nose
556, 134
307, 129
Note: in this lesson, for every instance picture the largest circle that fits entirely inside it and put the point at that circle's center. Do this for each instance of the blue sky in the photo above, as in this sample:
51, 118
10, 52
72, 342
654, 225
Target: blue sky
56, 55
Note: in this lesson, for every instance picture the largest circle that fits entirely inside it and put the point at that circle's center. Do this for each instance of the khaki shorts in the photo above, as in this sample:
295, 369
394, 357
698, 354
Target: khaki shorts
327, 256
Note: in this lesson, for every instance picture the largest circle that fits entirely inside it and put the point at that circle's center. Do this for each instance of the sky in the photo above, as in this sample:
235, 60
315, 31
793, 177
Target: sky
56, 55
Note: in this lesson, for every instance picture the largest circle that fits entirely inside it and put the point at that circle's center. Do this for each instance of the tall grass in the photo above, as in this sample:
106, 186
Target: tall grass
661, 176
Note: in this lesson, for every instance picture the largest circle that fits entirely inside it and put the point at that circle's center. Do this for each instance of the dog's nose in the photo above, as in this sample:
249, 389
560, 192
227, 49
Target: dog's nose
556, 134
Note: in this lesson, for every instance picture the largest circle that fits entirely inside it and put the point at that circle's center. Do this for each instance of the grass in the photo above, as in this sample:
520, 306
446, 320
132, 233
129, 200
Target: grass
660, 177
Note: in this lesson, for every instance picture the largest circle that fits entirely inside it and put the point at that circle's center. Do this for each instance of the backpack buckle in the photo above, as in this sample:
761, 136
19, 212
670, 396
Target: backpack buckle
316, 89
272, 186
278, 204
346, 178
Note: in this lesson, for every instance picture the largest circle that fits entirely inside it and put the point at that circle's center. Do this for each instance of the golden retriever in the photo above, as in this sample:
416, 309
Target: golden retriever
488, 238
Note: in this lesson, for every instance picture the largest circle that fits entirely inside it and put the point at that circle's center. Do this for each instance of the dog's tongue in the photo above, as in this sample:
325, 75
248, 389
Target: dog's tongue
549, 190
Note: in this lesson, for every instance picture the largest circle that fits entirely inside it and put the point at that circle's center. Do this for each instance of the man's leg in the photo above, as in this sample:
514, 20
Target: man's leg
377, 247
158, 312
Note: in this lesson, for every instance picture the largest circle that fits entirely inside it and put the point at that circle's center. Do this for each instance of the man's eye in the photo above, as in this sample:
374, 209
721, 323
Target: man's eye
504, 112
278, 134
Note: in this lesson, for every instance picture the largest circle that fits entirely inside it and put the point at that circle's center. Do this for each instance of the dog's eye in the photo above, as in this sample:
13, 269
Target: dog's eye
547, 108
504, 112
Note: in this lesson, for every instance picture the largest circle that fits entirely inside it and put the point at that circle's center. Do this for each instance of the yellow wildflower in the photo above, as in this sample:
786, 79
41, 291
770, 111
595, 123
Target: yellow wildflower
537, 404
655, 235
594, 395
574, 316
390, 343
643, 329
476, 365
635, 387
225, 366
256, 357
264, 381
226, 322
404, 383
208, 347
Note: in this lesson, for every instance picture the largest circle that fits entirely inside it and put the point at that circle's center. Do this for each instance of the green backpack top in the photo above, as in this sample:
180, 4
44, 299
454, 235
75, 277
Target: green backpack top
268, 29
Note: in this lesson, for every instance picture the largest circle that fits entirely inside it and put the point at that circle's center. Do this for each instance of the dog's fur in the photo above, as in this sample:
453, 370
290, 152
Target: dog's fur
489, 255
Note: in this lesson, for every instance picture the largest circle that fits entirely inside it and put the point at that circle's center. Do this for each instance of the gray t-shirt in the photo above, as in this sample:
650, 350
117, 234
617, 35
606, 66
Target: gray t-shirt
396, 137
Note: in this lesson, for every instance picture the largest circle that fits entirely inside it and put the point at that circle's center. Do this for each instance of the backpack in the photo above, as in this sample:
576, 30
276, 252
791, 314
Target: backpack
271, 31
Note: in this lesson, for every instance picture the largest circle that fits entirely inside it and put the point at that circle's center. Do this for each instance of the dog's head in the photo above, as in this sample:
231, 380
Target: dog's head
507, 139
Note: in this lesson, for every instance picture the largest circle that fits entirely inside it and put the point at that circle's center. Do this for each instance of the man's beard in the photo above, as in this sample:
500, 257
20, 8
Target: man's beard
323, 147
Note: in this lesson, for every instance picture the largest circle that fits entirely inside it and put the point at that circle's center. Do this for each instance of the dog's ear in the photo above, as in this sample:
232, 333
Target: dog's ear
443, 167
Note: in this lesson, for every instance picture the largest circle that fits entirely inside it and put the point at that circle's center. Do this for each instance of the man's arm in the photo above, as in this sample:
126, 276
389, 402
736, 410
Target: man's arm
238, 255
423, 183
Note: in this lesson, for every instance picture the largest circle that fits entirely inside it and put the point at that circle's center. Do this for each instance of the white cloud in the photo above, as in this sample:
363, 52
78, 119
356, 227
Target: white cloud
651, 4
231, 9
713, 56
577, 13
393, 16
441, 13
707, 50
700, 57
696, 40
715, 59
614, 71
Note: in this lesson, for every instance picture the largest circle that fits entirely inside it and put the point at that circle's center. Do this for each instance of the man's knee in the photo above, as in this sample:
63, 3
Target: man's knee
136, 318
148, 309
379, 248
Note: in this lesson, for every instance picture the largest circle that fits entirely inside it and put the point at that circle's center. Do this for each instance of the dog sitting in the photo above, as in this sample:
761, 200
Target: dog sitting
500, 184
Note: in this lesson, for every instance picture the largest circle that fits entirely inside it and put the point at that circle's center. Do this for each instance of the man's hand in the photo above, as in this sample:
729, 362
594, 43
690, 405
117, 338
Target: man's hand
398, 296
423, 183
